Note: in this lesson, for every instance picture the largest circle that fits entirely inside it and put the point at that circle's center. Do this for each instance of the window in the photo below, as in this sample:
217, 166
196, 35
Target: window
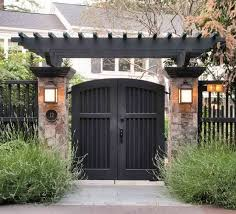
108, 64
124, 64
127, 66
139, 65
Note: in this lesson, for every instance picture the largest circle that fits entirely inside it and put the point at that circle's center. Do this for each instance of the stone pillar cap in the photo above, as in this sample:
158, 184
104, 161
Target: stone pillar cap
67, 72
183, 72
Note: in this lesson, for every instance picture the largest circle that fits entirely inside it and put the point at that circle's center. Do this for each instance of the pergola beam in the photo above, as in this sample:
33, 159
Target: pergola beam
180, 49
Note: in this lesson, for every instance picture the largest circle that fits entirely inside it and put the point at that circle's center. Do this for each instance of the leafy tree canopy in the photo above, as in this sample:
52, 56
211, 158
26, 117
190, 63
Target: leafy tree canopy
24, 6
17, 65
219, 16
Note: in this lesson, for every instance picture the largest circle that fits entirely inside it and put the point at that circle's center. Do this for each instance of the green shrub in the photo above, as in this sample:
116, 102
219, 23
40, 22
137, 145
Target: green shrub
24, 131
30, 172
17, 65
166, 127
204, 174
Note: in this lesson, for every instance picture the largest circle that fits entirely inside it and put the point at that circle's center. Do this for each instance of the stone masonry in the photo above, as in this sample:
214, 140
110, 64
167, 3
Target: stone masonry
183, 117
183, 123
54, 133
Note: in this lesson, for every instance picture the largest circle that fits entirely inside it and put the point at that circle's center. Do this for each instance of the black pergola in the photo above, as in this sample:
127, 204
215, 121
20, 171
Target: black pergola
180, 49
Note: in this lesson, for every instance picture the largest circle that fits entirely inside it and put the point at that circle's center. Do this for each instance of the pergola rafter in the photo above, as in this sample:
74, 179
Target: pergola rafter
180, 49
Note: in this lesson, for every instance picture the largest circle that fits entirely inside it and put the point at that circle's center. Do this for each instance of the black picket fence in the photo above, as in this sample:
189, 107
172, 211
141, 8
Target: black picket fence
216, 113
18, 101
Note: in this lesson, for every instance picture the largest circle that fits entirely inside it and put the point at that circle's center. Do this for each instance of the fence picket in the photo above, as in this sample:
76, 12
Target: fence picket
217, 115
18, 101
231, 124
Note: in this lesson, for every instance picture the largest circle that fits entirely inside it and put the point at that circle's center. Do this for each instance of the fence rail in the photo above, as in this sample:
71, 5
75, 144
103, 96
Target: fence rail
18, 101
216, 113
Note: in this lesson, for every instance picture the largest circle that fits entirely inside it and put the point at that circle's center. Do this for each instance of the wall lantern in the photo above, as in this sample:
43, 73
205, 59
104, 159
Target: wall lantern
50, 93
186, 93
215, 88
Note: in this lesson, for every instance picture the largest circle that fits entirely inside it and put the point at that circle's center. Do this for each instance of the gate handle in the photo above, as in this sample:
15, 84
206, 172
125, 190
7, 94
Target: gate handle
121, 135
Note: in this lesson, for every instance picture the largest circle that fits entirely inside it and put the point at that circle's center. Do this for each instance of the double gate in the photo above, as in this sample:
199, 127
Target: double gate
119, 125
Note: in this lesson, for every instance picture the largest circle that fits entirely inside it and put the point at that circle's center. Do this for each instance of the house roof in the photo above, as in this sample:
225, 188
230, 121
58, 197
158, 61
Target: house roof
84, 16
94, 17
13, 19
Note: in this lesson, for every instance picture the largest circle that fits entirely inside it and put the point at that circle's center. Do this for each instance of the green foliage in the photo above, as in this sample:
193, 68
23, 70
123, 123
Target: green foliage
17, 66
219, 16
66, 62
76, 79
25, 131
1, 53
30, 171
204, 174
166, 127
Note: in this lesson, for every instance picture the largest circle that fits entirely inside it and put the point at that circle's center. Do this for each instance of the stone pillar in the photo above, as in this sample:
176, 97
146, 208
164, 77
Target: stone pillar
183, 118
54, 133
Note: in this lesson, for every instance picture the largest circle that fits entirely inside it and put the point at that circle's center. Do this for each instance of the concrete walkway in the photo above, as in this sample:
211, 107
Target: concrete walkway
143, 193
89, 197
70, 209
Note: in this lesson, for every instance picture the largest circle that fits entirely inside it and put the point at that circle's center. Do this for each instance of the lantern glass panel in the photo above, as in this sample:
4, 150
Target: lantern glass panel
219, 88
215, 88
185, 96
211, 88
50, 95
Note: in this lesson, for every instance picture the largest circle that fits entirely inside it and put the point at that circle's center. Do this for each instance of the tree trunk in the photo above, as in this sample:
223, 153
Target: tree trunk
1, 4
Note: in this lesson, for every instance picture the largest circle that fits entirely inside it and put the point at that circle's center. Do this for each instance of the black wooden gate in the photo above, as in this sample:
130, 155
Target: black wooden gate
119, 124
